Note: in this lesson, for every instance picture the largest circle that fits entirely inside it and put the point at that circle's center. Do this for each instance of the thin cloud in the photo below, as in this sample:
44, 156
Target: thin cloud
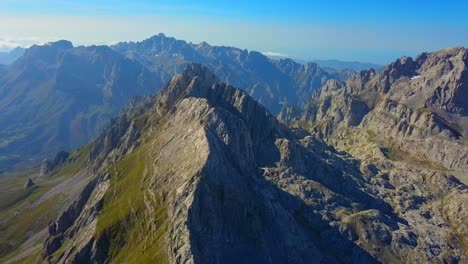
8, 44
275, 54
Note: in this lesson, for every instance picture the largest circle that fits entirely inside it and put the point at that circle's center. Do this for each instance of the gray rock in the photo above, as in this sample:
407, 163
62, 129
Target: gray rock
29, 183
48, 166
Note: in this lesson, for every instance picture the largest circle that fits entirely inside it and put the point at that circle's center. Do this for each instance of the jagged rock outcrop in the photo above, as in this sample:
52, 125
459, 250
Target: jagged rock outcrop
29, 183
418, 106
48, 166
211, 176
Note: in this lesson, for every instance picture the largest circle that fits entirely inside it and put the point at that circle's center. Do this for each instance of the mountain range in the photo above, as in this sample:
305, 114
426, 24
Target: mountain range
200, 167
351, 65
57, 97
202, 173
272, 83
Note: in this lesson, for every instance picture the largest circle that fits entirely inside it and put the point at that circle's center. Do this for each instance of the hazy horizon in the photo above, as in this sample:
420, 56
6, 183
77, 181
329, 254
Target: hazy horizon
307, 30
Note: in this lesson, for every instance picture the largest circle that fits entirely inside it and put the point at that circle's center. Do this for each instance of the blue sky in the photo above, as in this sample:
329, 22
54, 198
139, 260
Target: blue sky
372, 31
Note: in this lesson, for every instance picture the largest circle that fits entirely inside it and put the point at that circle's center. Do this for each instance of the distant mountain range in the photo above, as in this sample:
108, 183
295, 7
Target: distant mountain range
266, 80
350, 65
57, 97
335, 64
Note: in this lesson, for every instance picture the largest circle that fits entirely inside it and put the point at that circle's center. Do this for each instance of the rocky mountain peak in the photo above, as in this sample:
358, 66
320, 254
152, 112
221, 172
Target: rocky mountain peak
333, 85
204, 45
404, 66
198, 70
290, 66
311, 66
198, 81
195, 79
40, 54
160, 37
444, 59
56, 46
61, 44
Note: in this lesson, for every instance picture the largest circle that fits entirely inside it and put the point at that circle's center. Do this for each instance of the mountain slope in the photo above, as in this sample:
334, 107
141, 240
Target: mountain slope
57, 97
352, 65
11, 56
202, 173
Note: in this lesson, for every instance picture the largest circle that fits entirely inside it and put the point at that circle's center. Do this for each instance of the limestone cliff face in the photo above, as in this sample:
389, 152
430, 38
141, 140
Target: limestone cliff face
201, 173
420, 105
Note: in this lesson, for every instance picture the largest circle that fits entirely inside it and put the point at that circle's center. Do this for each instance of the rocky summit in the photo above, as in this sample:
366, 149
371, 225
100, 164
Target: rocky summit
202, 173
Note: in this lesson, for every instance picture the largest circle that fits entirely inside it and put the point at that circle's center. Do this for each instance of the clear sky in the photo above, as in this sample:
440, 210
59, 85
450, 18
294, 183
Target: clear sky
371, 31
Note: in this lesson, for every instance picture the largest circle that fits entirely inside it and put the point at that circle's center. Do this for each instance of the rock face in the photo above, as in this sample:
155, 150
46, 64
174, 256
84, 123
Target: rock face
47, 166
417, 106
202, 173
28, 184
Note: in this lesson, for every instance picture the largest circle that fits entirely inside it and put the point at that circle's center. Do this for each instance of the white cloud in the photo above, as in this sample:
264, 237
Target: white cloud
8, 44
274, 54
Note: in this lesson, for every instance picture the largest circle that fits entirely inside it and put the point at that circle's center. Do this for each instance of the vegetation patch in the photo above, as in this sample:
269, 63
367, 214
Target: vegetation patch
77, 161
135, 233
26, 220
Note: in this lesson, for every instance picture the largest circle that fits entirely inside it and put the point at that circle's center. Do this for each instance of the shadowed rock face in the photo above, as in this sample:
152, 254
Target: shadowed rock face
420, 105
202, 173
47, 165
